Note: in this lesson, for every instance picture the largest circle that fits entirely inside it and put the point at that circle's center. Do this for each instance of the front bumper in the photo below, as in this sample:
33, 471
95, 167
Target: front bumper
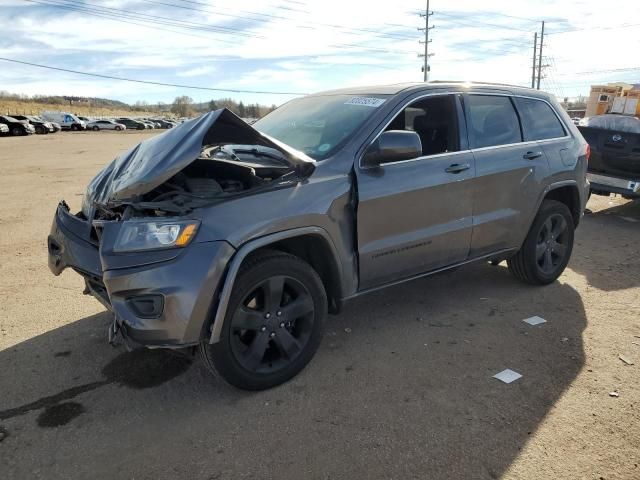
181, 289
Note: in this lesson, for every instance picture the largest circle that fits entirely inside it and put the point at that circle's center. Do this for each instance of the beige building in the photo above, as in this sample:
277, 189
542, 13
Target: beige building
618, 97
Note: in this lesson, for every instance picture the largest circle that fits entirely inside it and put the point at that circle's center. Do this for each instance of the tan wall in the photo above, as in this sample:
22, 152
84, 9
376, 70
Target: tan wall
594, 106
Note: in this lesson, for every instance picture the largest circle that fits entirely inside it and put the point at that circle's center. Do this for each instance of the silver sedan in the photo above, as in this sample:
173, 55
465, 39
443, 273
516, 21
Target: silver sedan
105, 125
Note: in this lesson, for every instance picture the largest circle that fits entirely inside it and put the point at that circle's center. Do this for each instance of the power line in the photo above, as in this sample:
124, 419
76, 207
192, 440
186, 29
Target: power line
91, 8
344, 28
608, 70
624, 25
148, 82
498, 14
479, 24
129, 22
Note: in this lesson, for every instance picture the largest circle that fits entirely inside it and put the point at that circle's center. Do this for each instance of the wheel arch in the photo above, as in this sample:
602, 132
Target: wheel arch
567, 193
312, 244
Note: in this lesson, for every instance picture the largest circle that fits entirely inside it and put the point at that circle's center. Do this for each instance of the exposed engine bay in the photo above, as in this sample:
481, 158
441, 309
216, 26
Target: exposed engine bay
221, 171
203, 161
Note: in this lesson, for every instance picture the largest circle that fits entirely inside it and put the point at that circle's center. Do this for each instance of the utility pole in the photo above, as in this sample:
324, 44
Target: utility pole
533, 68
540, 57
426, 54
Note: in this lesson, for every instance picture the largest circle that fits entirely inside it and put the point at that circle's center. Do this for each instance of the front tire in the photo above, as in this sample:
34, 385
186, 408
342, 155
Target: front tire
273, 325
96, 128
16, 131
40, 130
547, 249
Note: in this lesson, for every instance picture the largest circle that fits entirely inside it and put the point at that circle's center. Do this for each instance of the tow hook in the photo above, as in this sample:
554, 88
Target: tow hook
114, 329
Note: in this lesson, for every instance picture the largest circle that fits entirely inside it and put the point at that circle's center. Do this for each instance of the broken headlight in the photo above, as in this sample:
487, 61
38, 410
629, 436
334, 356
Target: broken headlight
136, 235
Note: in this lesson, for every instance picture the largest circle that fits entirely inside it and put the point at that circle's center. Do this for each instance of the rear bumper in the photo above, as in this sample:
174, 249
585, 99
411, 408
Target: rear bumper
609, 184
162, 304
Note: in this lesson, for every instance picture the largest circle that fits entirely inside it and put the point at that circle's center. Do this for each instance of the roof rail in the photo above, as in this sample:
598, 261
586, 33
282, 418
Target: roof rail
476, 82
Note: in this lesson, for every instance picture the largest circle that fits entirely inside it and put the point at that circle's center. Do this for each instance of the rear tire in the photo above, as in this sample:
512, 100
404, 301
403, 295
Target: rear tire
547, 248
273, 324
96, 128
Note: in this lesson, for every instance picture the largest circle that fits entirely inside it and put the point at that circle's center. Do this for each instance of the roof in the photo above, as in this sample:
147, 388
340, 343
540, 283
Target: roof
393, 89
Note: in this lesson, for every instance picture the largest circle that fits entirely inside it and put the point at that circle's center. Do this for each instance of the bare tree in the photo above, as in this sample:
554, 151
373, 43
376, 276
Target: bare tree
182, 106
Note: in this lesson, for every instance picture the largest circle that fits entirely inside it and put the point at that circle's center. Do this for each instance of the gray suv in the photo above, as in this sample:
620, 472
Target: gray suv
238, 239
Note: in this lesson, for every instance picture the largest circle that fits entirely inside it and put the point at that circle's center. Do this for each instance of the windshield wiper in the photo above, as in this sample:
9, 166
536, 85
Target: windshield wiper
261, 153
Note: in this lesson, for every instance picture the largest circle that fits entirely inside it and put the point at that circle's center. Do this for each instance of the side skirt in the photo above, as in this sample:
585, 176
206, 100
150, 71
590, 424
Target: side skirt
504, 253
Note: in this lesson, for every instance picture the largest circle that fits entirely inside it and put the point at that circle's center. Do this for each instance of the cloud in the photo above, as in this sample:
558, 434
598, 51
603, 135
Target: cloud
306, 46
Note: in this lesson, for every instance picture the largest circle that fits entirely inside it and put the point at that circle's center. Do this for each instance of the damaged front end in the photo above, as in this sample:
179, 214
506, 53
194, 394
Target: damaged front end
140, 212
202, 161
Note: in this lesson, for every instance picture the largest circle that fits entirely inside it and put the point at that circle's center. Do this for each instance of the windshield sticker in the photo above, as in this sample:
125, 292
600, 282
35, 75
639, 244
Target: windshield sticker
324, 147
365, 101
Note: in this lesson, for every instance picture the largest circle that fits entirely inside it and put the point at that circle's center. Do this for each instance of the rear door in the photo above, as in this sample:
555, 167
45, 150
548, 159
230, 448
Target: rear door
414, 216
509, 172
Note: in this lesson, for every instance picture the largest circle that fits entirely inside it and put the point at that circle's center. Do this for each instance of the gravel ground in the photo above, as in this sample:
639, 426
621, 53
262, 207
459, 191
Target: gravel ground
401, 387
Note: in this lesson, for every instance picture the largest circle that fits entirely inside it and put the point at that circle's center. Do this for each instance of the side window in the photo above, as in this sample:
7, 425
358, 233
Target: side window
435, 120
493, 121
538, 120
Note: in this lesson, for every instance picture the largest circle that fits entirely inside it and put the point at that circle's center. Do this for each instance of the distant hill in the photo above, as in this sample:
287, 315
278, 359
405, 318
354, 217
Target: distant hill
11, 103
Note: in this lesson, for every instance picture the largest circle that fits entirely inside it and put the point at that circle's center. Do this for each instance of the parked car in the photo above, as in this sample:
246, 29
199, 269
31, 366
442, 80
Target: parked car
614, 166
67, 121
42, 127
4, 129
239, 239
161, 123
56, 126
131, 124
17, 127
105, 125
148, 124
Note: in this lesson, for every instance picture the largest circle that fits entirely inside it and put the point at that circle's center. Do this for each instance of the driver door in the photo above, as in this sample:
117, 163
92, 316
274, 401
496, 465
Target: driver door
415, 215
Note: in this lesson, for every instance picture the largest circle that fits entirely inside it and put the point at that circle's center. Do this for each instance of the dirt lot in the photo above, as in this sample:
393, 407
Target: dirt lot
401, 387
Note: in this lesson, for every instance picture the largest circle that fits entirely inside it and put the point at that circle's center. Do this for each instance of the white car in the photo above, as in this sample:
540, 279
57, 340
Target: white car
105, 125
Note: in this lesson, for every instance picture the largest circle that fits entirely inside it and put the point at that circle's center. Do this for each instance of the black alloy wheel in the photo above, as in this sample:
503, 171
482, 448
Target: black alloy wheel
18, 131
551, 246
273, 324
547, 248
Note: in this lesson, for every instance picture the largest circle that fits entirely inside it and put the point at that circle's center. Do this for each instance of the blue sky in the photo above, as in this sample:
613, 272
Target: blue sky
307, 45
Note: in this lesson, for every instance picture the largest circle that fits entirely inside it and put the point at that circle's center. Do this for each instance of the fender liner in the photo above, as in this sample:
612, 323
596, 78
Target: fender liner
242, 253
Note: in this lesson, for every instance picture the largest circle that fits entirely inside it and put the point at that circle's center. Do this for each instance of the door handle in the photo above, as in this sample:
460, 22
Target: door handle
532, 155
457, 168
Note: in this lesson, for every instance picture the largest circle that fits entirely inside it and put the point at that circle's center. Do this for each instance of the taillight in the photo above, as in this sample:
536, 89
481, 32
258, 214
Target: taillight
587, 153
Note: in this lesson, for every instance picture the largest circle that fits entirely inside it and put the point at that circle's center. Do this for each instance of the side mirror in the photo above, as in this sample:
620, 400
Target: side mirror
392, 146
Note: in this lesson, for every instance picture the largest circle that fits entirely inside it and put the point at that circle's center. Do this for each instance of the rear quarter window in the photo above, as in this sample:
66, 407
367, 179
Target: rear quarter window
539, 122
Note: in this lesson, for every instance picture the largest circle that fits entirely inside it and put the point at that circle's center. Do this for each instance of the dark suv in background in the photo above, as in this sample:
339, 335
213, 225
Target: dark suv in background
240, 239
131, 124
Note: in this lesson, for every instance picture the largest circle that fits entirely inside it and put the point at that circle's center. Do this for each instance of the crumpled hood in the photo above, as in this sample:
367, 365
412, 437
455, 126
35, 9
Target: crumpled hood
154, 161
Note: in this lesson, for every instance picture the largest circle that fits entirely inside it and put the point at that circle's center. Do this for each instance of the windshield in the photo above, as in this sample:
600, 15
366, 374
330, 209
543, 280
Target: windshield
319, 125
